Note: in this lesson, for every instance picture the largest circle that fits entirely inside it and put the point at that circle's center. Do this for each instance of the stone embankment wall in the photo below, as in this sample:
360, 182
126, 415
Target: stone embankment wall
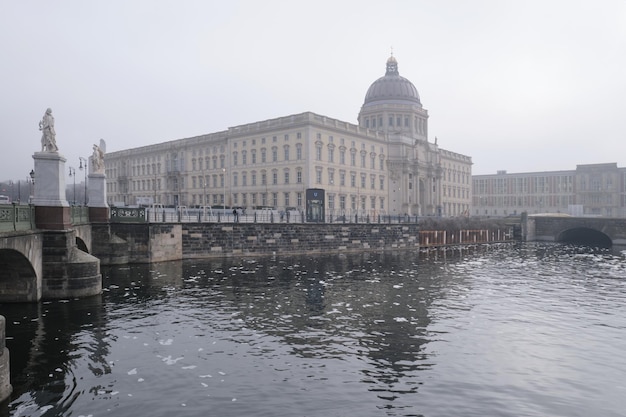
141, 243
232, 239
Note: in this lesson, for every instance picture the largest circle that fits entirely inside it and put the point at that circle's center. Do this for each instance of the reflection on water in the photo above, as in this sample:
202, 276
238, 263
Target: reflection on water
504, 330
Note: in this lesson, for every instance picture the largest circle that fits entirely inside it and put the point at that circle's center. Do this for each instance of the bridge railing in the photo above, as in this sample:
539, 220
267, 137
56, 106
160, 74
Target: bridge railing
128, 215
79, 215
15, 217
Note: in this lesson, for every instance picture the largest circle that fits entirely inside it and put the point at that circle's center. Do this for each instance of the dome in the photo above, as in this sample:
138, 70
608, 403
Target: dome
392, 88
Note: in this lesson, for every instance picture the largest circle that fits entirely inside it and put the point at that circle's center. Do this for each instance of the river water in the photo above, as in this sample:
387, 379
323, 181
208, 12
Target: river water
499, 330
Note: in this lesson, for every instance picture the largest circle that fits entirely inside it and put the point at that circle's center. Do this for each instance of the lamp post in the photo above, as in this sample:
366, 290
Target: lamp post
81, 159
73, 174
224, 190
204, 201
32, 184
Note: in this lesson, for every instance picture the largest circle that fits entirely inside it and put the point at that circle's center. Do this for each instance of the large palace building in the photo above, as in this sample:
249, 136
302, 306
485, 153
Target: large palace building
384, 165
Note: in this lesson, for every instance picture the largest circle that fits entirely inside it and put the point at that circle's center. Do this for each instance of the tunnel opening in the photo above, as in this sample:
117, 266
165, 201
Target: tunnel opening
585, 236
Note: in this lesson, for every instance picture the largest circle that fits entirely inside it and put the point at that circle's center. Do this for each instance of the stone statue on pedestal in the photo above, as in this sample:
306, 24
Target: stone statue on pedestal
97, 158
48, 136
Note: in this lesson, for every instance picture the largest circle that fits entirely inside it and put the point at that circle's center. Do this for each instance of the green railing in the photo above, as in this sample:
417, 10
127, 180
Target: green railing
128, 215
79, 215
14, 217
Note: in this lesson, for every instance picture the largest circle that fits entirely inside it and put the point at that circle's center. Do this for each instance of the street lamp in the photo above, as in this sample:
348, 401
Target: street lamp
81, 159
73, 174
32, 184
224, 190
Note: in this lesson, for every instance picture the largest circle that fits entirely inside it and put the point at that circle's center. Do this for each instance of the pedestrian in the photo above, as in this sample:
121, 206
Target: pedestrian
235, 215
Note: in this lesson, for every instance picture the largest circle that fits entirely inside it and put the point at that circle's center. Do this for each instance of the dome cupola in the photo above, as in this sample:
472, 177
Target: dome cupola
392, 88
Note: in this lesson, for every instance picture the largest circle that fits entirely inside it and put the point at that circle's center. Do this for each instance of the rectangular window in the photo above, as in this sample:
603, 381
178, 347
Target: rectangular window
318, 153
253, 179
299, 153
274, 155
331, 155
274, 177
286, 195
286, 177
254, 157
299, 198
342, 179
286, 153
244, 179
342, 157
318, 177
299, 177
352, 159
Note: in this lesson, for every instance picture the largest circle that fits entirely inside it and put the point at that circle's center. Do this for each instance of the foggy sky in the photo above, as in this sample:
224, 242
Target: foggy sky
517, 85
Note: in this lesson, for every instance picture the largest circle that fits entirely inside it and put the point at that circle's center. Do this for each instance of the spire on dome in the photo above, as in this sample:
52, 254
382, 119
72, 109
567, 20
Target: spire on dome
392, 65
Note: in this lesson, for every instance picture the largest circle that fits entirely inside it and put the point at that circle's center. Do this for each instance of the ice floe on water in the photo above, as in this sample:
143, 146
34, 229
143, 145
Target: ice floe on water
166, 342
168, 359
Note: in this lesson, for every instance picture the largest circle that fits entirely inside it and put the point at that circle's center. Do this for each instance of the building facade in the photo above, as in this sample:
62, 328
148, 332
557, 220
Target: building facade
384, 165
589, 190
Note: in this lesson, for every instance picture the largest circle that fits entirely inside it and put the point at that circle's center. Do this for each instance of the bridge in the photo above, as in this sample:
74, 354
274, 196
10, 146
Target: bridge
39, 263
596, 231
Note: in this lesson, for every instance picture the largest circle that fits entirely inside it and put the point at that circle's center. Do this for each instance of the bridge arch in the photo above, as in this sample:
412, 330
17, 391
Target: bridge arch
18, 278
80, 243
585, 236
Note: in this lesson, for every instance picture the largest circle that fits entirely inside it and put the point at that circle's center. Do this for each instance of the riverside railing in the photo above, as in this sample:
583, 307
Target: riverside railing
264, 216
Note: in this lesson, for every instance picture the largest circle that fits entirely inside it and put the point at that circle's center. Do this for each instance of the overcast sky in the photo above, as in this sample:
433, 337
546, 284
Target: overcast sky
517, 85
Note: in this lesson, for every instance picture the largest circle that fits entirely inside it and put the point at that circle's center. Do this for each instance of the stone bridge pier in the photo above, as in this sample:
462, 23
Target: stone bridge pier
5, 382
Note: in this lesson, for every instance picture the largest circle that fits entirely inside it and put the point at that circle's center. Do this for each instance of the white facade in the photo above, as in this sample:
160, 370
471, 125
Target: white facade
385, 165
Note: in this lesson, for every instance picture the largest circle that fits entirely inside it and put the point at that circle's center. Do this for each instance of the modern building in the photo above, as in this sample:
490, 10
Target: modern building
383, 165
589, 190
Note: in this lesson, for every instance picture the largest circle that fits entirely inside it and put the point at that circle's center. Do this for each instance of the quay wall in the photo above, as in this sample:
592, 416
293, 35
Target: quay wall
157, 242
234, 239
119, 243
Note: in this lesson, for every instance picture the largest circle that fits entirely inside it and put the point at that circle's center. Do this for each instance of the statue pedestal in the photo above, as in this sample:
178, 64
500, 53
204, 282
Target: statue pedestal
52, 210
98, 207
